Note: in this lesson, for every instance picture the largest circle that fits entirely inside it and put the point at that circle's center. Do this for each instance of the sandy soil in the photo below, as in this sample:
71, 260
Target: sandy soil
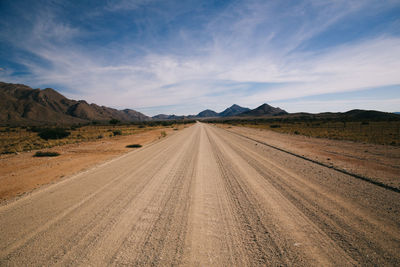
204, 197
23, 173
378, 162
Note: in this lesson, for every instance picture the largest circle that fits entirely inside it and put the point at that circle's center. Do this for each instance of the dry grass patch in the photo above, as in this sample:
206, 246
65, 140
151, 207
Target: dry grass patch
372, 132
19, 139
22, 172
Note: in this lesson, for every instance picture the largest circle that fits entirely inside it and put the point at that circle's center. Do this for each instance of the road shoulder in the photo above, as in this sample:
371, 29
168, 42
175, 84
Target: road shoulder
379, 163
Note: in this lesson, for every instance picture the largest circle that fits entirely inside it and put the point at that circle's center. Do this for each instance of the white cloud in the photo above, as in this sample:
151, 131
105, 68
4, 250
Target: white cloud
373, 63
246, 44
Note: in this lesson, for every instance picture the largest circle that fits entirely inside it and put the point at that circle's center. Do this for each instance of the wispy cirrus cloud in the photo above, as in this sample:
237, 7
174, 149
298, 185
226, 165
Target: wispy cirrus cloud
183, 58
125, 5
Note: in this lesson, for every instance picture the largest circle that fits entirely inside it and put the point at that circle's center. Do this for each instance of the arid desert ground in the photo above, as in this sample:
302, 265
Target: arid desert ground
209, 196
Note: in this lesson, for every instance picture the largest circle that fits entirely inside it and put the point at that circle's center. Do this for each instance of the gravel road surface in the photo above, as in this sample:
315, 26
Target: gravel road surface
204, 197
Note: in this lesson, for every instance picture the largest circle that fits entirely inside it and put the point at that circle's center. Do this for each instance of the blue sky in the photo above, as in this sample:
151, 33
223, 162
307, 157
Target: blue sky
185, 56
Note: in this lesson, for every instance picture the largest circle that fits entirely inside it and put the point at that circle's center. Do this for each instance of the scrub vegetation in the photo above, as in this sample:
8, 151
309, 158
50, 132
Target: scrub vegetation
46, 154
134, 146
15, 139
384, 132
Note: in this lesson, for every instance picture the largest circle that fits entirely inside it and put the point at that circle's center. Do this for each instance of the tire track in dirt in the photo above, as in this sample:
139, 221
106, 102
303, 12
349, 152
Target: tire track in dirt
357, 230
266, 211
123, 219
162, 243
110, 193
213, 238
204, 197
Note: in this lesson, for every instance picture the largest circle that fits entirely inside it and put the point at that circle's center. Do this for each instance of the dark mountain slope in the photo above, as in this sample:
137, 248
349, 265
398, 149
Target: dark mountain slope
208, 113
20, 104
358, 114
264, 110
233, 111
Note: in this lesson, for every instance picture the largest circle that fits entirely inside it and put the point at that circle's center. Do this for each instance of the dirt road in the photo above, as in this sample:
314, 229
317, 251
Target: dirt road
202, 197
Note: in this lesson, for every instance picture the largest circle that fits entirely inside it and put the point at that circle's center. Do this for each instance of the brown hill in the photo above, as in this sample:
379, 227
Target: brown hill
208, 113
264, 110
233, 111
20, 104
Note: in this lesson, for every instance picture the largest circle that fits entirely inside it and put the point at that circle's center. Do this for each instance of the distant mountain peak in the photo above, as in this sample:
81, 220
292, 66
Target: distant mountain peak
233, 110
265, 110
20, 104
207, 113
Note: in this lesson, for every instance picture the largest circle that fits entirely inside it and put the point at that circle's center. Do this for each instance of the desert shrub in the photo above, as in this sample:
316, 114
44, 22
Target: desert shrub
114, 121
9, 151
167, 123
275, 126
117, 132
12, 129
53, 133
100, 136
296, 132
176, 129
141, 126
75, 127
34, 129
46, 154
163, 134
134, 146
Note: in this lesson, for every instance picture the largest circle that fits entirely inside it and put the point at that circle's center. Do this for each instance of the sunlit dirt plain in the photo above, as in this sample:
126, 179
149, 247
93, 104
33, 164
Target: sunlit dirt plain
213, 195
22, 172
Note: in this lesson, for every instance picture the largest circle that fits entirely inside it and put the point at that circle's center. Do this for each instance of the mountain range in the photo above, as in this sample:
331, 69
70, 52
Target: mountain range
264, 109
22, 105
233, 110
236, 110
168, 117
